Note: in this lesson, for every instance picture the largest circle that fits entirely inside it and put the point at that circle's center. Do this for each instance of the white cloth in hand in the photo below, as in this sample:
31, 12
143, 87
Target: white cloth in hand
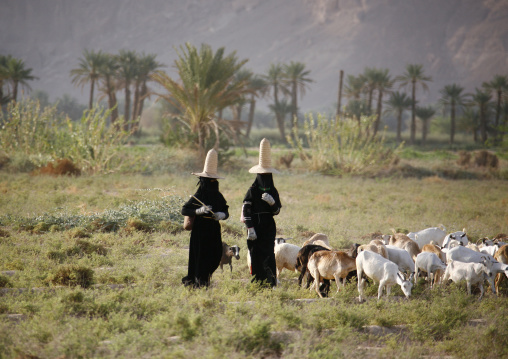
268, 199
202, 210
251, 234
219, 216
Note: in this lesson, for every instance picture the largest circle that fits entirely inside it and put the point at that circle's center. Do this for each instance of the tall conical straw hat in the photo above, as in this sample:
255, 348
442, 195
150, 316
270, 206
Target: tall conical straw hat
210, 169
265, 159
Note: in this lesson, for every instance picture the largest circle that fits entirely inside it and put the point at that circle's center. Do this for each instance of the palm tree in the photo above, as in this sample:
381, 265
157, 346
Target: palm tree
498, 85
205, 87
4, 59
17, 75
275, 79
481, 99
127, 67
236, 109
412, 78
369, 76
425, 114
354, 87
146, 67
298, 80
382, 83
108, 77
452, 96
280, 110
88, 71
258, 88
398, 103
470, 121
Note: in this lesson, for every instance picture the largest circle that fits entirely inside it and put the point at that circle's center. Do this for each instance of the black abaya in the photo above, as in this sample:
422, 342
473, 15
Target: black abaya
205, 249
259, 215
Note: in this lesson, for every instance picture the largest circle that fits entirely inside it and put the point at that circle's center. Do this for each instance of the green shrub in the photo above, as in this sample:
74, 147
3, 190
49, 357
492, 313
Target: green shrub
5, 282
338, 147
32, 137
72, 275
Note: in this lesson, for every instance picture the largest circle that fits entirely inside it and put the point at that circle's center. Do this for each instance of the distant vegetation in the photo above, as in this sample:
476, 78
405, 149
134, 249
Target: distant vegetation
211, 102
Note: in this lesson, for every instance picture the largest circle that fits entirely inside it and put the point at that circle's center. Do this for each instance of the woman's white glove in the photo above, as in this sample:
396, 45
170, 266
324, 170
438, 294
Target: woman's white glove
251, 234
202, 210
268, 199
219, 216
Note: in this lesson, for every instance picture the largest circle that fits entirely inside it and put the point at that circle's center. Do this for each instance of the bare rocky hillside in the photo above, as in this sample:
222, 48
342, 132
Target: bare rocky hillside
461, 41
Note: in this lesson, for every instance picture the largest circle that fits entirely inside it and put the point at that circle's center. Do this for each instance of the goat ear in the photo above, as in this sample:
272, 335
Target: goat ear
462, 236
464, 230
452, 236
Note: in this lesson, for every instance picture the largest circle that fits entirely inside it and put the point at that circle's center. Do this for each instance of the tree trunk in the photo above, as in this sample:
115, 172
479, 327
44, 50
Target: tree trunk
135, 104
497, 130
483, 124
413, 114
452, 127
278, 117
127, 106
90, 101
143, 95
337, 115
379, 110
294, 109
399, 126
251, 116
369, 101
424, 130
15, 91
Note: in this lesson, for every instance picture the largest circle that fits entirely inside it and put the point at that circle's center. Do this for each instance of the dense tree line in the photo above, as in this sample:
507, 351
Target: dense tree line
483, 113
210, 82
126, 71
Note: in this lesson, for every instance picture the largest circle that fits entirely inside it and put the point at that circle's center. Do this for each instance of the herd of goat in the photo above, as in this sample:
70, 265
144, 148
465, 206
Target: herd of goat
392, 259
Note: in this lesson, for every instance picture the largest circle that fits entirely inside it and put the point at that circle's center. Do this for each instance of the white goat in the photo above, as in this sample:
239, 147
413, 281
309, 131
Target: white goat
430, 263
490, 250
285, 257
464, 254
425, 236
402, 258
380, 270
472, 273
459, 236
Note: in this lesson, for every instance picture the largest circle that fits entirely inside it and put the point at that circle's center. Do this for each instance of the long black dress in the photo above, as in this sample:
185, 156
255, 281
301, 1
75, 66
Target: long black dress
259, 214
205, 250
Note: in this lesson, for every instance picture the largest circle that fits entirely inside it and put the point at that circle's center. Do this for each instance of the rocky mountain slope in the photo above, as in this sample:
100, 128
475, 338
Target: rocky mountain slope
457, 41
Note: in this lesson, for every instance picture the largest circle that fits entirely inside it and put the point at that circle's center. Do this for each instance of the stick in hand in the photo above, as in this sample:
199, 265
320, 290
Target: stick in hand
201, 203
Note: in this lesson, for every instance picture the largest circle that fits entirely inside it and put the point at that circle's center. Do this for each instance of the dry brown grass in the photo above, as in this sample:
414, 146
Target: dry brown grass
61, 167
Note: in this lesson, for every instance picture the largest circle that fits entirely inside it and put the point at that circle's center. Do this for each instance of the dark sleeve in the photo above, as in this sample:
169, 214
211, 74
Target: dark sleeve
189, 208
277, 205
247, 209
224, 208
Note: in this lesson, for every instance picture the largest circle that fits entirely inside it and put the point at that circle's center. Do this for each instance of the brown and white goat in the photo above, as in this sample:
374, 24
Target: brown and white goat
402, 241
330, 265
228, 252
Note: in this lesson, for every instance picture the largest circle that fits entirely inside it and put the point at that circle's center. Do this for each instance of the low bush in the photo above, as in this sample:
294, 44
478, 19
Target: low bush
72, 275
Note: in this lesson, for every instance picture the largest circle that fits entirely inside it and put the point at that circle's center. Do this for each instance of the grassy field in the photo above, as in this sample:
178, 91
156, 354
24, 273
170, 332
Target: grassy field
91, 267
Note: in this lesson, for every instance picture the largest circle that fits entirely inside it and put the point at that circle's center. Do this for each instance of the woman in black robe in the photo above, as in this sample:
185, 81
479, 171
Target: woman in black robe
205, 250
260, 204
